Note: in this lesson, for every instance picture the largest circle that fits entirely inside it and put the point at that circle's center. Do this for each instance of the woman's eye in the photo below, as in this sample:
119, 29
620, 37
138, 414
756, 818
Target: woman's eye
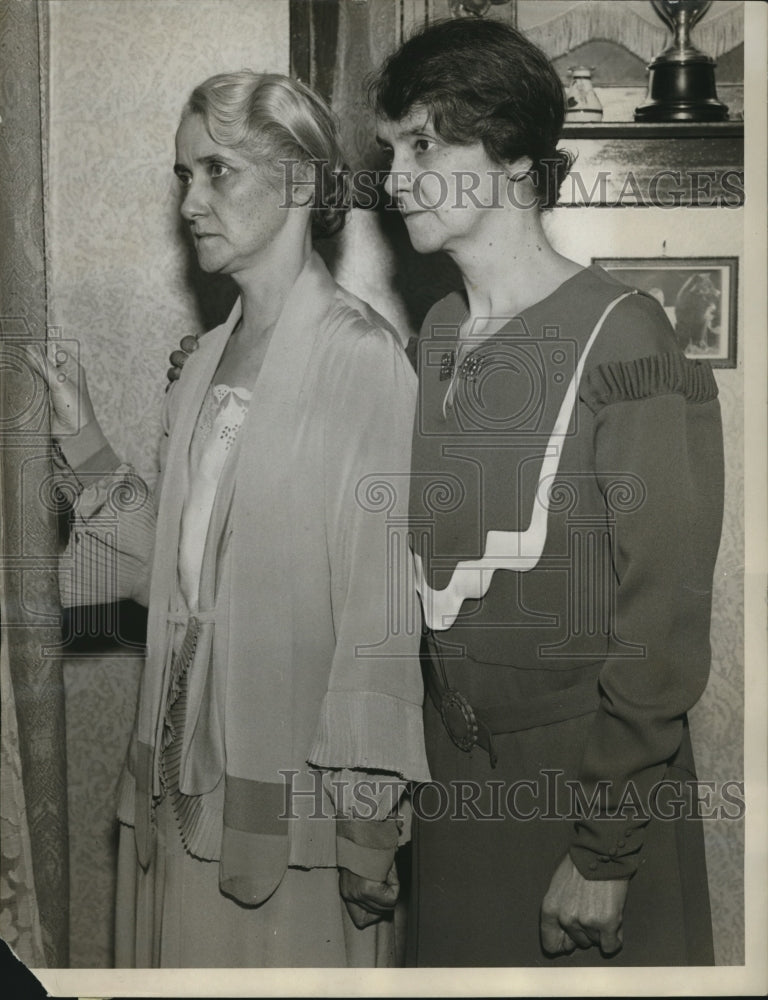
423, 145
218, 170
184, 180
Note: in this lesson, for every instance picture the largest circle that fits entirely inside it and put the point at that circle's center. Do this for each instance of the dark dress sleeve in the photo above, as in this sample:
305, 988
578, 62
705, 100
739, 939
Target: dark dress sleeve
658, 418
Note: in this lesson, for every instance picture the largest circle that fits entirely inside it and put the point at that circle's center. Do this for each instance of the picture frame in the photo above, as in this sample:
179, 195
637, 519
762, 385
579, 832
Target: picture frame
699, 295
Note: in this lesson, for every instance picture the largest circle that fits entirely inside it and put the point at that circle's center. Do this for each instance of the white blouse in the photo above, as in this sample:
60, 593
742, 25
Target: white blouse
221, 416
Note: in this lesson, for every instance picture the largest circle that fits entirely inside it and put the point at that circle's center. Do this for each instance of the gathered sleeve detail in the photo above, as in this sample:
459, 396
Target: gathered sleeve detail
643, 378
372, 730
657, 420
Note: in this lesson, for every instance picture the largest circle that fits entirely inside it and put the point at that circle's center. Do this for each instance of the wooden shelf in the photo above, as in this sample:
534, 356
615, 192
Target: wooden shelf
700, 164
653, 130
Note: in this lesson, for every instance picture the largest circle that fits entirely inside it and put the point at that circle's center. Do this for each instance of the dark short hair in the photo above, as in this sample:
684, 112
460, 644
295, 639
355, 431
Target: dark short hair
481, 81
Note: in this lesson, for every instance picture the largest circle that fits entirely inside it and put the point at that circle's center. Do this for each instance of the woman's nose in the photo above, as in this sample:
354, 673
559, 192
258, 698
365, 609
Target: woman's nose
192, 202
398, 178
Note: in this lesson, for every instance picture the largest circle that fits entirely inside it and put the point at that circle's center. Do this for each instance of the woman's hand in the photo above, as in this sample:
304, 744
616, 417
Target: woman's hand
367, 901
178, 358
70, 401
578, 912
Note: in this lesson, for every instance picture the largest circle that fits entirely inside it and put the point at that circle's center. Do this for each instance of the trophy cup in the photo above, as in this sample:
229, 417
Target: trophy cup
681, 81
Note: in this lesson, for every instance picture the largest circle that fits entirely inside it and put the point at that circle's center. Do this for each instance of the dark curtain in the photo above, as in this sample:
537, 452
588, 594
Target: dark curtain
334, 48
36, 751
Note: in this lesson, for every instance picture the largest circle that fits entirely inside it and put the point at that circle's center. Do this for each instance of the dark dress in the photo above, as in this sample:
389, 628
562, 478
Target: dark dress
573, 674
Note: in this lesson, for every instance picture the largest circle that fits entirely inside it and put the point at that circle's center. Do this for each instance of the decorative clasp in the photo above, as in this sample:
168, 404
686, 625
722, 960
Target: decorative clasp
459, 719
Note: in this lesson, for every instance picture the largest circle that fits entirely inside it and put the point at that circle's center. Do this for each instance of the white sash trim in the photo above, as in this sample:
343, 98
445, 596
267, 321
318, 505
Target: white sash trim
508, 550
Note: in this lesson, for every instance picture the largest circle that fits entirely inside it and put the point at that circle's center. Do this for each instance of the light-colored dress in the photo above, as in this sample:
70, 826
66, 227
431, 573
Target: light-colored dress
276, 650
217, 931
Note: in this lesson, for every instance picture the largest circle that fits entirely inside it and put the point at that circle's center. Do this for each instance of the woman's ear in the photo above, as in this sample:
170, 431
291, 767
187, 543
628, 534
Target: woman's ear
519, 169
302, 187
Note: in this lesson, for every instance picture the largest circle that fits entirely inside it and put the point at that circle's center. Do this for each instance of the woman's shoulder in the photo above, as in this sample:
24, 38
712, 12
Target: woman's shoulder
353, 325
637, 357
637, 327
361, 361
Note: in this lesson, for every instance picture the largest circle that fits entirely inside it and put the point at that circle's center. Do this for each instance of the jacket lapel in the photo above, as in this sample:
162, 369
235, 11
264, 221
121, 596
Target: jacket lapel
197, 376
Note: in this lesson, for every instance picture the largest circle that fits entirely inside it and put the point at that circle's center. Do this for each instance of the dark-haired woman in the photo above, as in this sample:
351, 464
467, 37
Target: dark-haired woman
270, 660
561, 441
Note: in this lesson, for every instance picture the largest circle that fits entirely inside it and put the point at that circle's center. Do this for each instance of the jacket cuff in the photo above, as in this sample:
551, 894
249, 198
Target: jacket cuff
366, 847
607, 848
88, 450
370, 731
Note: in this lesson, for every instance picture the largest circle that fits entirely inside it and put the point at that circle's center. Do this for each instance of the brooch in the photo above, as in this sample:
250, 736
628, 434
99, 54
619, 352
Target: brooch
468, 369
470, 366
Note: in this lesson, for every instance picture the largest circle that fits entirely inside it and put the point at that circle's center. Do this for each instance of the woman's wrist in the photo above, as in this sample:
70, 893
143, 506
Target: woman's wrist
88, 450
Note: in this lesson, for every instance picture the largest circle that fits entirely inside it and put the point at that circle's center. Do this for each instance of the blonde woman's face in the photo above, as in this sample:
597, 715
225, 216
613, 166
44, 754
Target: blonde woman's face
234, 210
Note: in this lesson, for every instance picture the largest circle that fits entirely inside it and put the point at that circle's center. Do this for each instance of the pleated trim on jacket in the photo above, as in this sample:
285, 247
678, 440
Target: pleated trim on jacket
661, 374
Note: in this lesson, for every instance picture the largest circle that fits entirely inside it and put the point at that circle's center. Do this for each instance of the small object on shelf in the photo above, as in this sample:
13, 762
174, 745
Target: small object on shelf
474, 8
681, 81
581, 102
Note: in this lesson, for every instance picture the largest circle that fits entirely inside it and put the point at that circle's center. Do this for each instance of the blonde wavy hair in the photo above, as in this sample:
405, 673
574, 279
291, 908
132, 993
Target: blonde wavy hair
273, 118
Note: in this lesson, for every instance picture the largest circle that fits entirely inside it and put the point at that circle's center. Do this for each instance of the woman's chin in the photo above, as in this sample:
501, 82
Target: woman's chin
424, 242
209, 264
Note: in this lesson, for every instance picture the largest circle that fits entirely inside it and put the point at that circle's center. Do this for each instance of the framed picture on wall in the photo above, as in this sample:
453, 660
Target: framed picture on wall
698, 294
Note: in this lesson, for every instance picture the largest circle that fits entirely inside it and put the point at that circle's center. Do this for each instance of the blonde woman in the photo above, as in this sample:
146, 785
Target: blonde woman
263, 560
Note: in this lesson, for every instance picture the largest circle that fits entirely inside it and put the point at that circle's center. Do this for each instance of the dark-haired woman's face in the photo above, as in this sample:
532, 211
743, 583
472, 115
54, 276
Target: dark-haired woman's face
448, 194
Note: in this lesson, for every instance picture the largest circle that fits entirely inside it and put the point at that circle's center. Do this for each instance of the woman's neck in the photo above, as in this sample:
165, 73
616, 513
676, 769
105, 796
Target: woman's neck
512, 268
265, 288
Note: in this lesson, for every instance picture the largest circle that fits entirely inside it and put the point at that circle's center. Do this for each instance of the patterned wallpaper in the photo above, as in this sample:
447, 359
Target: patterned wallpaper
120, 284
717, 722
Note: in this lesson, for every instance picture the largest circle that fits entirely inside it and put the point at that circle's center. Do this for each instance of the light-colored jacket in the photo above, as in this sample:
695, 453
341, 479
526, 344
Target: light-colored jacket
304, 653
